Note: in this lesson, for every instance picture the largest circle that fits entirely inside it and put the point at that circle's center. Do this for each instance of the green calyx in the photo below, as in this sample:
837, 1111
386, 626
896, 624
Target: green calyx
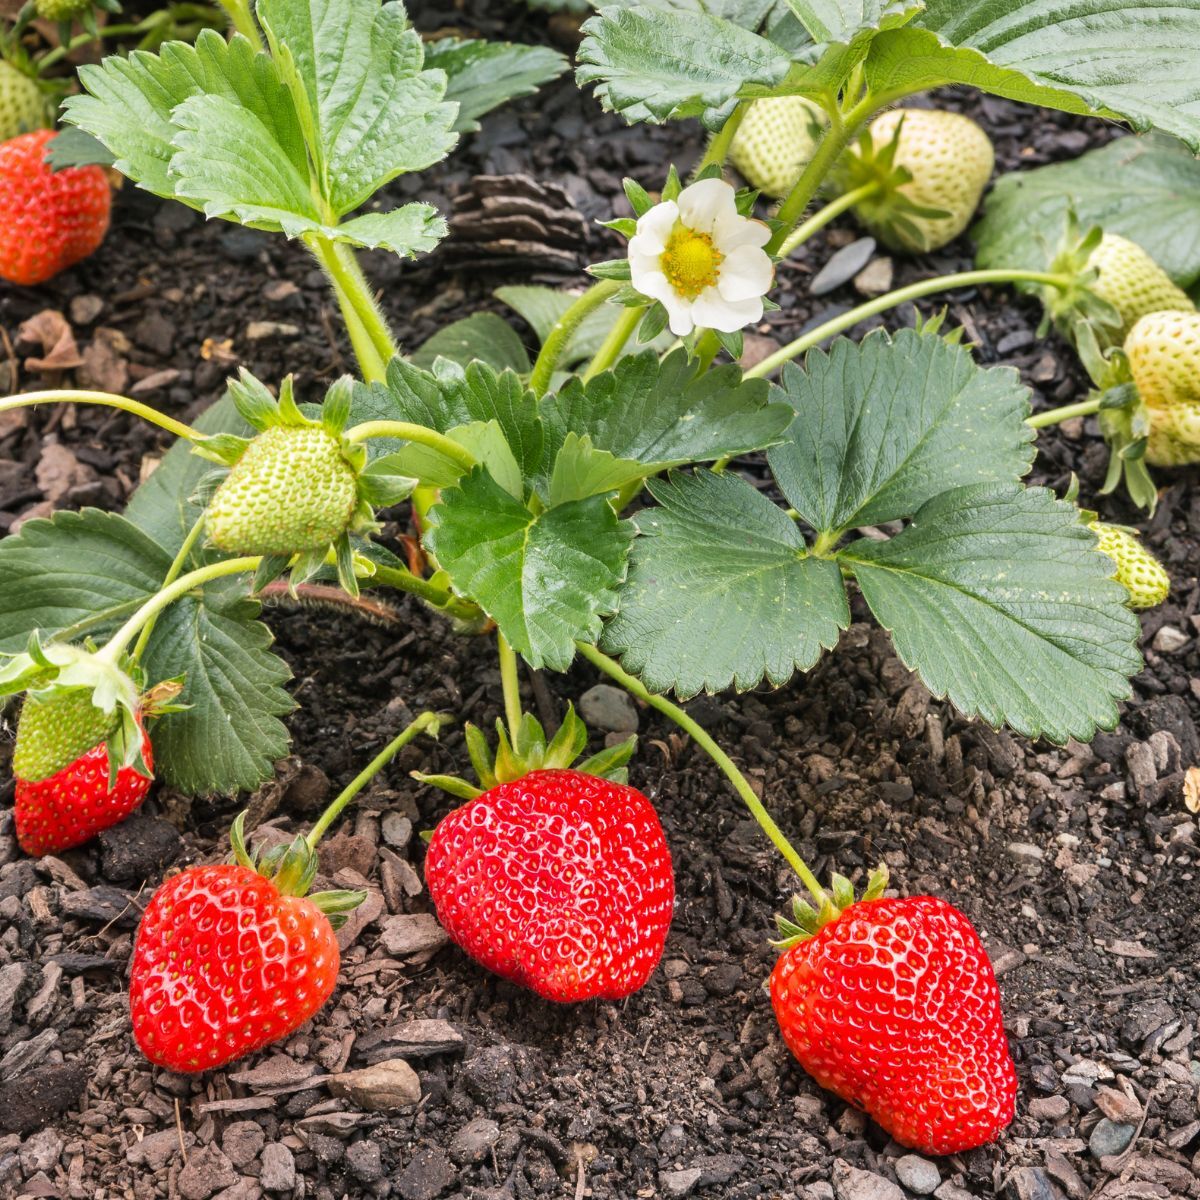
74, 701
295, 493
531, 751
292, 868
806, 921
1080, 312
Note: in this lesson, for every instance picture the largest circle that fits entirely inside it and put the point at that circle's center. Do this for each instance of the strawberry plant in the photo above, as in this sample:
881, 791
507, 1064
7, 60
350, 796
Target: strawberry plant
581, 504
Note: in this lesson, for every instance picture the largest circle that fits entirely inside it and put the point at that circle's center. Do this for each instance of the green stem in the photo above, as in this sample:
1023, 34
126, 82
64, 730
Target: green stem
1053, 416
512, 686
914, 291
614, 343
563, 331
370, 337
823, 216
420, 434
442, 599
718, 146
107, 400
171, 18
243, 21
172, 574
160, 600
710, 747
427, 721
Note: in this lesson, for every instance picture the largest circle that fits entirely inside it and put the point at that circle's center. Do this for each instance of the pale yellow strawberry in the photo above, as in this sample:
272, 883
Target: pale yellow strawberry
1144, 577
1133, 283
1164, 358
775, 141
950, 159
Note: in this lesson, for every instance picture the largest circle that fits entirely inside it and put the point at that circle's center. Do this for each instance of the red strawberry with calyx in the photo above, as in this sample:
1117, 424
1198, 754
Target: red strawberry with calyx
49, 220
560, 880
893, 1005
233, 957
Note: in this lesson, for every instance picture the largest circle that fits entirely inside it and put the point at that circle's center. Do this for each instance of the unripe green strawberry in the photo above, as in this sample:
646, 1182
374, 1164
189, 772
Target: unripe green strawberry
1164, 359
22, 105
1133, 283
775, 141
52, 734
1144, 577
949, 159
61, 11
291, 492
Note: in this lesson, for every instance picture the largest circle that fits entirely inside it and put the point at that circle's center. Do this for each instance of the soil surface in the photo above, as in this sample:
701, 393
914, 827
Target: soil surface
1078, 865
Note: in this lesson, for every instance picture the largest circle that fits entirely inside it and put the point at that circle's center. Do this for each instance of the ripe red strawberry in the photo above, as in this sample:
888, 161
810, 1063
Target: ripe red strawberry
225, 963
74, 804
560, 881
49, 220
893, 1005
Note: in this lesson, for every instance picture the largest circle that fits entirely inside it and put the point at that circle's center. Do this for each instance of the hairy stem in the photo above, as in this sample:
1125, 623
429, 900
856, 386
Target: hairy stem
243, 21
442, 599
741, 785
421, 434
427, 722
172, 574
161, 600
370, 337
823, 216
614, 343
719, 143
1053, 416
564, 330
106, 400
914, 291
512, 685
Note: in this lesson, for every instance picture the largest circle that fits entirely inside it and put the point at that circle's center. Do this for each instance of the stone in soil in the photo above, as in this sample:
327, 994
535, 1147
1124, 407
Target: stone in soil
851, 1183
427, 1176
137, 849
918, 1174
474, 1141
365, 1161
242, 1142
384, 1087
29, 1101
278, 1168
208, 1171
1109, 1138
412, 933
609, 709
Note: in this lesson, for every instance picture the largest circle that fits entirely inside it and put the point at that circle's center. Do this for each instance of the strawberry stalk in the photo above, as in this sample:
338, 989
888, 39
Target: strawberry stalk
564, 330
719, 145
702, 739
614, 343
823, 216
427, 722
1054, 416
242, 21
420, 434
172, 574
107, 400
511, 684
373, 344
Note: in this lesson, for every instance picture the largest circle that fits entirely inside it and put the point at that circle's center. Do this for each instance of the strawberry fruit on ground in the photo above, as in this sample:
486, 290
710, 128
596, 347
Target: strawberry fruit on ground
230, 958
60, 806
49, 220
930, 168
559, 880
893, 1005
1163, 350
23, 106
775, 141
1144, 577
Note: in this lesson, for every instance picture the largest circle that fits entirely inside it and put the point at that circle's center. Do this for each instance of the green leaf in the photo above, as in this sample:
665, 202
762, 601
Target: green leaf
230, 736
545, 580
409, 230
483, 75
580, 470
838, 20
997, 597
90, 566
483, 336
654, 65
663, 414
74, 148
722, 591
369, 110
1145, 189
884, 425
1135, 60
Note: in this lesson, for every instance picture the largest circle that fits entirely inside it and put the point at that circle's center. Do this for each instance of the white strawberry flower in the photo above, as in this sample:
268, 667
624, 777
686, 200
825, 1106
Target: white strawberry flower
703, 260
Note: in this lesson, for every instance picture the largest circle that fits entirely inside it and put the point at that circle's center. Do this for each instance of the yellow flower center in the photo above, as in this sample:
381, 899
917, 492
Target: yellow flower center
691, 262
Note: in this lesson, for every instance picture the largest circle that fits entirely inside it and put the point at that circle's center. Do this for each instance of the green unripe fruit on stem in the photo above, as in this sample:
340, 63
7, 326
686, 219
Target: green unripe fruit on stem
291, 492
1133, 283
775, 141
61, 11
1144, 577
23, 107
52, 734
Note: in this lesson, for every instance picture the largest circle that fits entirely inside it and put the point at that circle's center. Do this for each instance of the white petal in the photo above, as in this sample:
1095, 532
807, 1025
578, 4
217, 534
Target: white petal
703, 205
653, 284
679, 313
745, 274
655, 227
641, 266
734, 231
711, 311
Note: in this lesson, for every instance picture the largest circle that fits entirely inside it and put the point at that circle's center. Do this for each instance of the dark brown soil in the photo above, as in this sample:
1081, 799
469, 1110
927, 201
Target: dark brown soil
1078, 865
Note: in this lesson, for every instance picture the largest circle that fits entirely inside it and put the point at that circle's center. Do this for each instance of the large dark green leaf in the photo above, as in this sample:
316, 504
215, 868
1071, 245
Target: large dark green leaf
722, 591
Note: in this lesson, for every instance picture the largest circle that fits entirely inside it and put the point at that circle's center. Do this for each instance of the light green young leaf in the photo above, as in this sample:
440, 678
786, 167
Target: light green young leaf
369, 110
997, 597
484, 439
663, 414
1135, 60
483, 75
1145, 189
483, 336
545, 580
839, 20
885, 424
408, 231
722, 591
580, 470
